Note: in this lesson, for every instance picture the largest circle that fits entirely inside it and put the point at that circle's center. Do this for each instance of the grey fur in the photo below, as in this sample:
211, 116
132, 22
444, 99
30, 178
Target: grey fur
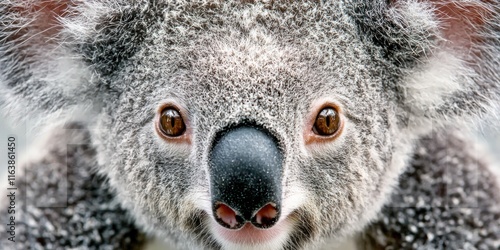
388, 65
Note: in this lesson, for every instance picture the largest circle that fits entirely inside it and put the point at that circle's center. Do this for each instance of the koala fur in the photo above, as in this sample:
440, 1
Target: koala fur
408, 75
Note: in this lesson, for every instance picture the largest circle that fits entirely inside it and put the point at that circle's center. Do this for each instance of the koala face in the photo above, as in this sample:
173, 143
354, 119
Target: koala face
251, 105
262, 125
231, 94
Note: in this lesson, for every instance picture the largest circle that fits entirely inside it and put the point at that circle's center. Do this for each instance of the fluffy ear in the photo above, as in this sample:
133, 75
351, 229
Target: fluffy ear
57, 55
36, 72
461, 22
444, 54
460, 77
30, 22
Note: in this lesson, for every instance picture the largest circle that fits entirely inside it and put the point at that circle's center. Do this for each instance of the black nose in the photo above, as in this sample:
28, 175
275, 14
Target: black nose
245, 172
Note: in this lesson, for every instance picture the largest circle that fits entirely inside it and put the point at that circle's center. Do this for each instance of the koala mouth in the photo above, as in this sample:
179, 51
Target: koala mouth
248, 234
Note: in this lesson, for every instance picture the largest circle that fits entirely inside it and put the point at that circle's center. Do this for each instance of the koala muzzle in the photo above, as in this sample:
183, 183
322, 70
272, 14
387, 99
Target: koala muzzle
245, 178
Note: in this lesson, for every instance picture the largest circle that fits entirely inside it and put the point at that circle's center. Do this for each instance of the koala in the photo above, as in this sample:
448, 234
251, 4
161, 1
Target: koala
252, 124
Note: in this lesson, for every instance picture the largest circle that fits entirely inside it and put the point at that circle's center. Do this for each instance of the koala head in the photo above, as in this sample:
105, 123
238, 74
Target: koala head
251, 124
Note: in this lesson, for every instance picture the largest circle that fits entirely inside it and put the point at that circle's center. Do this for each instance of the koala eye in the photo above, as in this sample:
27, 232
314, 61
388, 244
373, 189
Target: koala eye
171, 122
324, 123
327, 122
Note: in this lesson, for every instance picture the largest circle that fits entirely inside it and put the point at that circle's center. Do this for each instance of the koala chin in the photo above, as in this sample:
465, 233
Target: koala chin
252, 124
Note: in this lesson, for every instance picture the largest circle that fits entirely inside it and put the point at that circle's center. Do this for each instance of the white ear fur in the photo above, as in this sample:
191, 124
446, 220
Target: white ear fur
40, 76
458, 65
429, 87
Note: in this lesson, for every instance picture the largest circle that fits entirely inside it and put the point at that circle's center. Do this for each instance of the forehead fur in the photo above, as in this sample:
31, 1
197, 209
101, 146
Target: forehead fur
291, 45
323, 29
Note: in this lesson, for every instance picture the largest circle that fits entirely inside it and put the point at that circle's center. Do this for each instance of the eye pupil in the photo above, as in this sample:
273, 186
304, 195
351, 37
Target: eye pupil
327, 122
171, 123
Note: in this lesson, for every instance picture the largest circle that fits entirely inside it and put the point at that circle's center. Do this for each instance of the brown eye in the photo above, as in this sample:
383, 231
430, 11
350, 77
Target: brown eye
327, 122
171, 123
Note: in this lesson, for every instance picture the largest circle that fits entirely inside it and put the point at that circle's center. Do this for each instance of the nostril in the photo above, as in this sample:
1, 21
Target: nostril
227, 217
266, 216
